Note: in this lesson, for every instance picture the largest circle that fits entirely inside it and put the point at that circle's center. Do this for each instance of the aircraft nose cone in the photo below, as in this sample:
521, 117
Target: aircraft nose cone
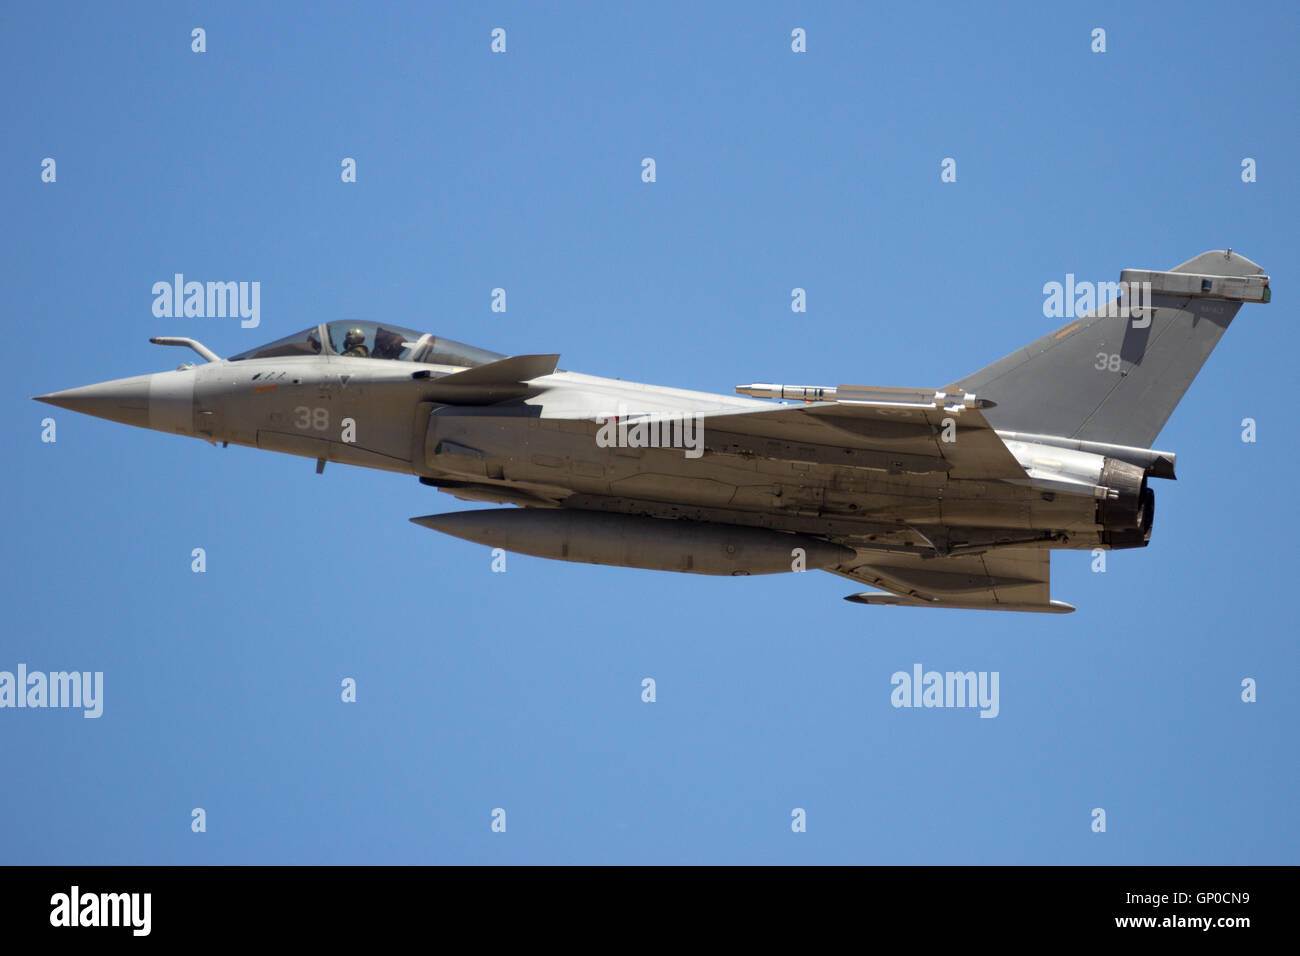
125, 400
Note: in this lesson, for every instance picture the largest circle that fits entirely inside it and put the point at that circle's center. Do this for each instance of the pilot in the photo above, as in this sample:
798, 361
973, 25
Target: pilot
354, 344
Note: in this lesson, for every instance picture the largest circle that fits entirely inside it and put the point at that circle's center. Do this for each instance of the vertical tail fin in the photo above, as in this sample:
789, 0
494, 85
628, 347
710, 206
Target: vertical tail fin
1116, 375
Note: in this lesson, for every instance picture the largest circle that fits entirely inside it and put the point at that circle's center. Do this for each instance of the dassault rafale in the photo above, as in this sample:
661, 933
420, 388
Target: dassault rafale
937, 497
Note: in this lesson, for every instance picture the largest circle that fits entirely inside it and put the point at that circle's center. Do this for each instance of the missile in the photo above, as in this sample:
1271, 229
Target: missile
868, 395
798, 393
634, 541
899, 600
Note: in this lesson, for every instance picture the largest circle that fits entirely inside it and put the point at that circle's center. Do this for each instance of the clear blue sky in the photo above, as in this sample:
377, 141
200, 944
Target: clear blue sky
522, 690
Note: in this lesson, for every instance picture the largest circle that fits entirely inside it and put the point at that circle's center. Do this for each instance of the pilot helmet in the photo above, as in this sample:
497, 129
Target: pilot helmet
354, 338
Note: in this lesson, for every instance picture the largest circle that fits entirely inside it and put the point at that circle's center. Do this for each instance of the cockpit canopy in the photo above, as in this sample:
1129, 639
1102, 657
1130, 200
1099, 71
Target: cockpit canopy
373, 340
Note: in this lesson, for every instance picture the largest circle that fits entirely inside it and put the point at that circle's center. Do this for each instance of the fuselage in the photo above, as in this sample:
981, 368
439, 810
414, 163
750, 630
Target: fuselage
545, 449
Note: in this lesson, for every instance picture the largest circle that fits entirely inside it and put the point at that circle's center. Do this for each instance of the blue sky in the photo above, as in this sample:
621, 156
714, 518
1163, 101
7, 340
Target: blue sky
522, 170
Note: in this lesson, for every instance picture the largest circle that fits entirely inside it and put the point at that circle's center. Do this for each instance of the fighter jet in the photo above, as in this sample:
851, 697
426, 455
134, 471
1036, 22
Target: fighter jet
948, 497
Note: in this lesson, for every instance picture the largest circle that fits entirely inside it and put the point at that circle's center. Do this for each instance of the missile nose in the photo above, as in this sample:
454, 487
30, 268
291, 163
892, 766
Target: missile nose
124, 400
